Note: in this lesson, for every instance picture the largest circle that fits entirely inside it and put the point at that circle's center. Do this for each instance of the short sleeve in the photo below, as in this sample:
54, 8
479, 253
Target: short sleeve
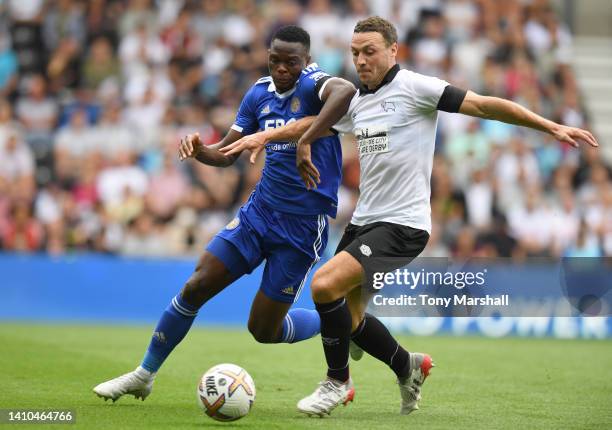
426, 91
320, 85
246, 121
451, 99
313, 85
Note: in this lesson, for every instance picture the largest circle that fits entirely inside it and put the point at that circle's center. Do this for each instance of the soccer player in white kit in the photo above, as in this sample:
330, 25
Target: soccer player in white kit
394, 117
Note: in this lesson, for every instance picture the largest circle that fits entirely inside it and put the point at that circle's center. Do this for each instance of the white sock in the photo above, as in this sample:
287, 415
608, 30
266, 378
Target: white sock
144, 373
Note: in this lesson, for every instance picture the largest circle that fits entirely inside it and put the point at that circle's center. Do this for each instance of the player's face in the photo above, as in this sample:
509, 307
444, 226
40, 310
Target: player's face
372, 57
286, 60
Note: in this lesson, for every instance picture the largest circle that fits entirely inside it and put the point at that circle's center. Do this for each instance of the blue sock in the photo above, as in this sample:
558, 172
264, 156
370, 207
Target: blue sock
171, 329
300, 324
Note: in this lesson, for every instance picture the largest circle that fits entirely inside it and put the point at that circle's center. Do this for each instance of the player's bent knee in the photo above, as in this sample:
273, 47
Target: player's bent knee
317, 286
263, 334
323, 290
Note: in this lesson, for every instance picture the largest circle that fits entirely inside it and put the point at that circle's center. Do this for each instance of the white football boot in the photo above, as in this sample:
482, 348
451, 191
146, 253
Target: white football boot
327, 397
410, 386
355, 351
138, 383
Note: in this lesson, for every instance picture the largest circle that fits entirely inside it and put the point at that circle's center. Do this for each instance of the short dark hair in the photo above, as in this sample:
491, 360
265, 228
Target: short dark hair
378, 25
293, 33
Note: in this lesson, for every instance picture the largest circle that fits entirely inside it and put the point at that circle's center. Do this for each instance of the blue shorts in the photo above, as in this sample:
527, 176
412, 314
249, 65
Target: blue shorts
290, 244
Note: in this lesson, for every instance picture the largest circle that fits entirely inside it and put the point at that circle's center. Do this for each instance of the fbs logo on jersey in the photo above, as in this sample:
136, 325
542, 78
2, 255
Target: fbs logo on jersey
365, 250
266, 110
232, 224
295, 104
289, 291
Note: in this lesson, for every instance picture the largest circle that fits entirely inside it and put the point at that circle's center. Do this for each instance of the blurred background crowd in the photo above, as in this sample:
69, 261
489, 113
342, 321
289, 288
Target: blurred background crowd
95, 95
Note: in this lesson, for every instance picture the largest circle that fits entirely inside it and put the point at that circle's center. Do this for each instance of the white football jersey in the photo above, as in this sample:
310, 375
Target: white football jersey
395, 127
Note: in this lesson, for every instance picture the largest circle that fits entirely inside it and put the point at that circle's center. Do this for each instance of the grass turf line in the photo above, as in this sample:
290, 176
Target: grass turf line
478, 382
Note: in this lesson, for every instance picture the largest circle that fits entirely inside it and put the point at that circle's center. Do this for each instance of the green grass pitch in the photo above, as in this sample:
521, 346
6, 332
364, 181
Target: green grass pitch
478, 383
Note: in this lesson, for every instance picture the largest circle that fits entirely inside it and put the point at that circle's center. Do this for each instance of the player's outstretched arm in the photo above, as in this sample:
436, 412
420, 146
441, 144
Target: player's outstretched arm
191, 146
336, 98
512, 113
256, 142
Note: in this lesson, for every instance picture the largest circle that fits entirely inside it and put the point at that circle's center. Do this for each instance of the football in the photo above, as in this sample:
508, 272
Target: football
226, 392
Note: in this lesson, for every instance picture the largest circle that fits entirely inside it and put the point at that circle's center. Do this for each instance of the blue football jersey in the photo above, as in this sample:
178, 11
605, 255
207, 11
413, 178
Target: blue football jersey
281, 186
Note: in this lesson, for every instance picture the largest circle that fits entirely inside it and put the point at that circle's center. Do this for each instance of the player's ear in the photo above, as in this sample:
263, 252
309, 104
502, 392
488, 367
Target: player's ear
308, 59
394, 49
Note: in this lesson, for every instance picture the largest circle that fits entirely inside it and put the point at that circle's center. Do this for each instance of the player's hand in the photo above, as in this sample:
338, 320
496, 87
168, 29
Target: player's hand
572, 135
307, 170
253, 143
190, 146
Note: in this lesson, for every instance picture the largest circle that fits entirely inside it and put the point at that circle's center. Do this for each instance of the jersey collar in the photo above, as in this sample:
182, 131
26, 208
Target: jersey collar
272, 89
363, 90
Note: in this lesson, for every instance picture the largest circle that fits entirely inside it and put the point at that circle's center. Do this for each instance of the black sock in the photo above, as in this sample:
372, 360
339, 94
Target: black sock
336, 335
374, 338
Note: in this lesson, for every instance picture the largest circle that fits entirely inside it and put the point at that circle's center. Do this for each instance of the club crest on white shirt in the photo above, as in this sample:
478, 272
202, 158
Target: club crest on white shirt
388, 106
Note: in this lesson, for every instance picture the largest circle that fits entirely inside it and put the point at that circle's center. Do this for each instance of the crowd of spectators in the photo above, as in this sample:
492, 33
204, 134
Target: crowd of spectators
95, 95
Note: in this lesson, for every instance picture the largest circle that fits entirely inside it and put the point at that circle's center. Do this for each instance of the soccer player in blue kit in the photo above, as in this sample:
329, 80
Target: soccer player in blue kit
282, 222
